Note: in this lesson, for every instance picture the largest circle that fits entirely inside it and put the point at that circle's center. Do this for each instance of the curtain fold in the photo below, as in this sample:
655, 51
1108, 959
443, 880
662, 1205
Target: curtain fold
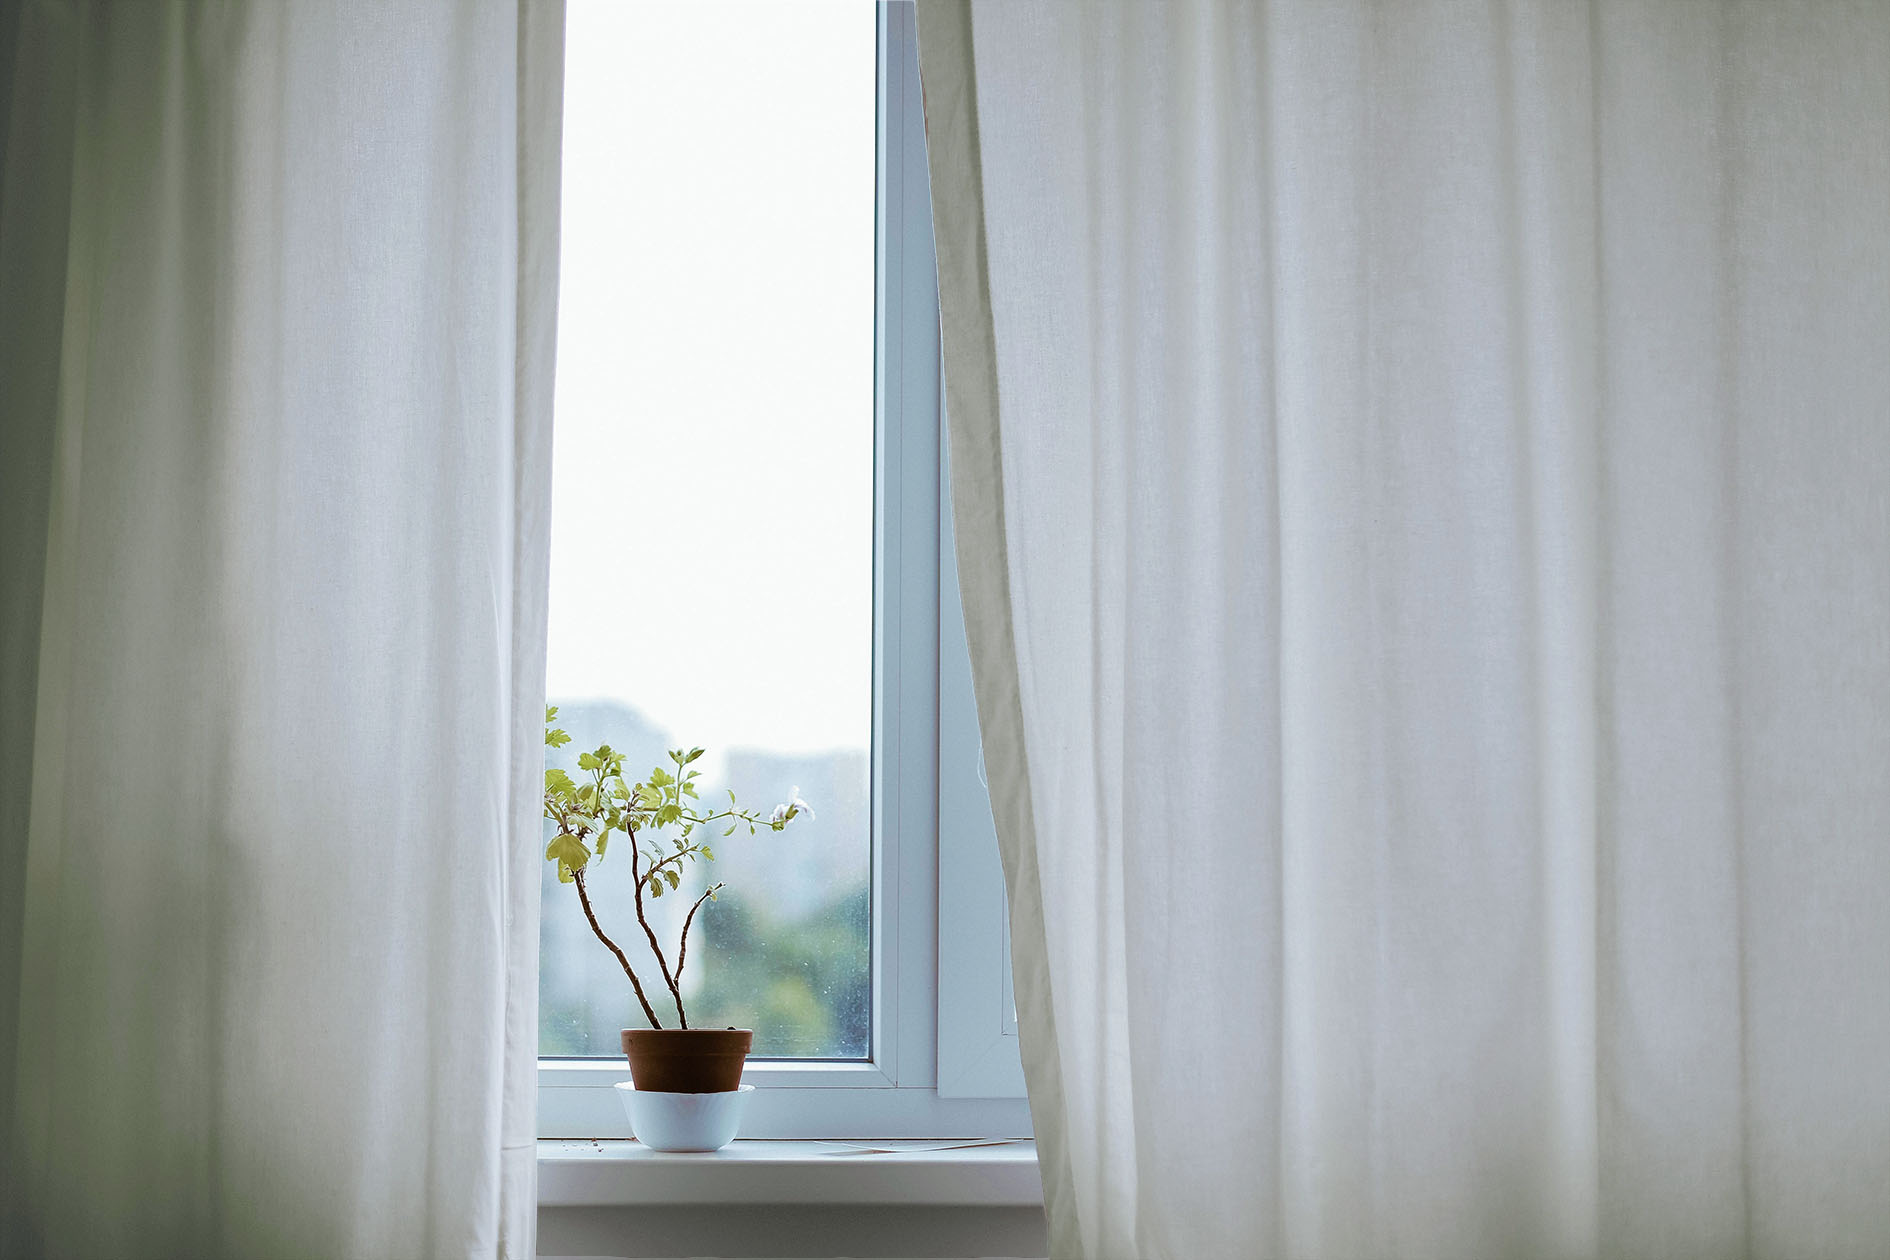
1420, 478
279, 291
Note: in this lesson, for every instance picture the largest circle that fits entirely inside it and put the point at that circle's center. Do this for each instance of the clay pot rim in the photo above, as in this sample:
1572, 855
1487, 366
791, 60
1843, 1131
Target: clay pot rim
684, 1032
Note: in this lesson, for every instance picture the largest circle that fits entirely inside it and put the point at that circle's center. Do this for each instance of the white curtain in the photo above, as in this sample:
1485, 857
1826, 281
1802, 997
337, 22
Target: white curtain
1422, 481
277, 291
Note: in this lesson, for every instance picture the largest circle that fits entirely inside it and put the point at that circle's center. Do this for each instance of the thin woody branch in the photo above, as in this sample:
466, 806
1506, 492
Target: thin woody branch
682, 951
636, 872
585, 897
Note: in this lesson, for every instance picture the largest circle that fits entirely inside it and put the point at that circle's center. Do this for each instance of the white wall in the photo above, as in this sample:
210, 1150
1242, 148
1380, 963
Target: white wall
790, 1230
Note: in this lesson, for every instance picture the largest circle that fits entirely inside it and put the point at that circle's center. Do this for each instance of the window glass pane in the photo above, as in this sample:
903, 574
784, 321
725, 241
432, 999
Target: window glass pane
712, 522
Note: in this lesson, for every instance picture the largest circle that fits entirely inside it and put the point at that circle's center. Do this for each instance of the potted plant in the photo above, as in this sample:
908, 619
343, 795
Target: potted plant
687, 1081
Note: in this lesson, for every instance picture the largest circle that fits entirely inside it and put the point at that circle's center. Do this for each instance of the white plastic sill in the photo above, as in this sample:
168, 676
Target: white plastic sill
609, 1172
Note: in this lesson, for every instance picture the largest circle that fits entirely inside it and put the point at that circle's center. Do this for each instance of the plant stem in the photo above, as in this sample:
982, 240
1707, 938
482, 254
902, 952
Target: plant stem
577, 877
682, 952
676, 858
745, 815
636, 872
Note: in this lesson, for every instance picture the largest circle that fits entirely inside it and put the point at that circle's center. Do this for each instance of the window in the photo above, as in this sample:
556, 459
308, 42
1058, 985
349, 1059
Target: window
748, 360
712, 559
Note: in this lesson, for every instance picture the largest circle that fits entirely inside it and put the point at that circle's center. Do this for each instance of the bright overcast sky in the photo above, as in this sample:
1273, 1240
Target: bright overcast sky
713, 479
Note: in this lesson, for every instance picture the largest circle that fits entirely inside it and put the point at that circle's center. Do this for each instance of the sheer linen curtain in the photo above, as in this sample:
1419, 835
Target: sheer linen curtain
278, 292
1422, 480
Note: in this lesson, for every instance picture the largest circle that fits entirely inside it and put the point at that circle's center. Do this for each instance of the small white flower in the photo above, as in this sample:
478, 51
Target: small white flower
793, 809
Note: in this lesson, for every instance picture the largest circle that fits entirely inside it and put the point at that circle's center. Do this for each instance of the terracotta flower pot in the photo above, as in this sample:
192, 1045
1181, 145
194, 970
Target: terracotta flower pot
687, 1060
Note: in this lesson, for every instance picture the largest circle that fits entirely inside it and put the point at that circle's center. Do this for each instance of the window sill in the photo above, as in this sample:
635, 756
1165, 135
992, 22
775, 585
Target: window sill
573, 1173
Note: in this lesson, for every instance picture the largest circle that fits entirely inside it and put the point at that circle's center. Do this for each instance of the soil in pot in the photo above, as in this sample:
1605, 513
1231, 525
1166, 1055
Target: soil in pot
687, 1060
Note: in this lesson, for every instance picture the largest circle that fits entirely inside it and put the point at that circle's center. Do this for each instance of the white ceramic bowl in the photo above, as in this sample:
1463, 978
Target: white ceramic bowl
683, 1122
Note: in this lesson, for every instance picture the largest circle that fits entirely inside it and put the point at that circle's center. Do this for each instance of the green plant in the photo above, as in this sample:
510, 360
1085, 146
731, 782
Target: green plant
601, 801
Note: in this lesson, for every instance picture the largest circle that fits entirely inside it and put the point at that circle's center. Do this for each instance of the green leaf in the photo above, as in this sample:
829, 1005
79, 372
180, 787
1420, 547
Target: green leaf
673, 878
560, 782
675, 755
667, 815
564, 874
731, 796
709, 853
660, 777
693, 754
556, 739
589, 761
603, 838
656, 886
731, 830
551, 711
689, 790
568, 851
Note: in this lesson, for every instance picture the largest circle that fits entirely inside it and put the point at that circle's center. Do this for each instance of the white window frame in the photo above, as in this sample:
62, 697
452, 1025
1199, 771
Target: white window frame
977, 1026
943, 1057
